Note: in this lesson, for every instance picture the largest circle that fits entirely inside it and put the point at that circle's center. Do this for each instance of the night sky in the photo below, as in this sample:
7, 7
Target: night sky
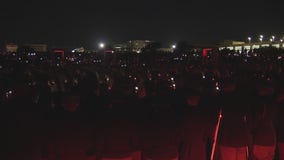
85, 23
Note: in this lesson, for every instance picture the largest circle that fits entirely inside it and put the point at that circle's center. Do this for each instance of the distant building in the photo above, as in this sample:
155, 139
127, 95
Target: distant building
37, 47
232, 42
166, 50
10, 48
138, 45
240, 46
78, 50
131, 46
120, 47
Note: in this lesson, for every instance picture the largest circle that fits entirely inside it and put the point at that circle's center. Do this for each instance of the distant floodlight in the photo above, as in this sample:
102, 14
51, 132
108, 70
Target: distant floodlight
102, 45
174, 46
281, 40
249, 39
261, 36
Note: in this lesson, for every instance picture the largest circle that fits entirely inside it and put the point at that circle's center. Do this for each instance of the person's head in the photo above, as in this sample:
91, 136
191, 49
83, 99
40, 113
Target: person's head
193, 97
70, 103
122, 87
264, 88
228, 85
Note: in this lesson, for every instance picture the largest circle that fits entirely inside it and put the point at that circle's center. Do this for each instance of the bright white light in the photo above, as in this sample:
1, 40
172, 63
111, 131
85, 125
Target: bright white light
281, 40
261, 36
249, 38
174, 46
102, 45
217, 86
271, 39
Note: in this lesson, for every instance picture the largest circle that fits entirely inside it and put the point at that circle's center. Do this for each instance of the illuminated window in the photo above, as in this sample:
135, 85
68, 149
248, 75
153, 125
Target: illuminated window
247, 47
255, 46
230, 48
276, 45
265, 45
238, 48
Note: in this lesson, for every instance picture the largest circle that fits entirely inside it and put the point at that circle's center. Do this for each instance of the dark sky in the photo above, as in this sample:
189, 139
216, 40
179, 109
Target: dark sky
85, 23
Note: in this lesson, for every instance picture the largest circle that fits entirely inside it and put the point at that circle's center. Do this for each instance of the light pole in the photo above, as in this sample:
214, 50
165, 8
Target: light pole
249, 39
261, 38
272, 39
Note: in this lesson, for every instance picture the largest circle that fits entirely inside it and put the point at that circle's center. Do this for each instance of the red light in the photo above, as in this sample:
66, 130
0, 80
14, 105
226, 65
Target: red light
62, 52
108, 51
205, 51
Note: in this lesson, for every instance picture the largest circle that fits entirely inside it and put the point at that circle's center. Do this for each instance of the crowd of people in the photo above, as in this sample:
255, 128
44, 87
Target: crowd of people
223, 106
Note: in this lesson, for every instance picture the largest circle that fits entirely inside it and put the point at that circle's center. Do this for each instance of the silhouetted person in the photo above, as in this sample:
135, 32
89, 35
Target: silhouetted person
161, 134
264, 134
116, 137
280, 125
197, 129
234, 135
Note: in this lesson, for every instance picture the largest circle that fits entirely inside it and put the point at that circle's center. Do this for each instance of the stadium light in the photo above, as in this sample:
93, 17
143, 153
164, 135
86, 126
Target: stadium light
273, 38
102, 45
261, 38
249, 39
